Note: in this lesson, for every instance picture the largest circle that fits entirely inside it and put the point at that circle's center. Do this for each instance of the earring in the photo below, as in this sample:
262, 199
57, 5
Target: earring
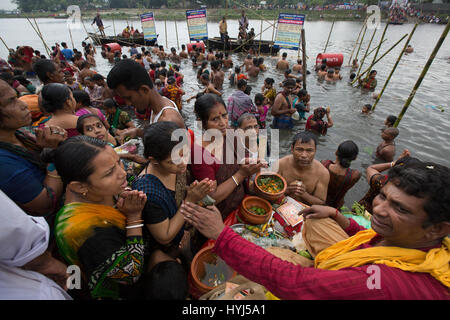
84, 194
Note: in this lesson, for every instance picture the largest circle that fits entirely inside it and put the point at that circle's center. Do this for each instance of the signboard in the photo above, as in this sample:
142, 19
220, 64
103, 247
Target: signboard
289, 30
148, 25
197, 24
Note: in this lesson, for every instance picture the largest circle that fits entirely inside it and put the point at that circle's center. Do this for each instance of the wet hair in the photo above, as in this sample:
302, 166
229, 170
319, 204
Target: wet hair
204, 104
171, 80
391, 119
183, 47
215, 64
368, 106
80, 121
241, 84
323, 66
304, 137
130, 74
166, 281
73, 158
372, 72
54, 95
205, 76
97, 77
259, 98
269, 81
237, 69
347, 152
42, 67
352, 76
284, 55
248, 90
243, 117
393, 132
331, 70
427, 180
289, 82
158, 140
82, 97
302, 93
163, 64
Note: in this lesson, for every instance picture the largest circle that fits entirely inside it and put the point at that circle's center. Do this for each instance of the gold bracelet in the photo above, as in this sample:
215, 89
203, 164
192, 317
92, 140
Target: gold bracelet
53, 176
235, 181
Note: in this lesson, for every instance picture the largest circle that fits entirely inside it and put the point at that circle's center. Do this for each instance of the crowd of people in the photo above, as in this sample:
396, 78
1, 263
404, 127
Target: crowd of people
132, 222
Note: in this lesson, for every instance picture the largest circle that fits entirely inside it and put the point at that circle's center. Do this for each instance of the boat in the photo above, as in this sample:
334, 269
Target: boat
127, 42
236, 46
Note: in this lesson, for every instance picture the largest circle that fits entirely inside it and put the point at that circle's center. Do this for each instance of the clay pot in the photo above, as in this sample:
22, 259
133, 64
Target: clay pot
250, 217
205, 255
272, 197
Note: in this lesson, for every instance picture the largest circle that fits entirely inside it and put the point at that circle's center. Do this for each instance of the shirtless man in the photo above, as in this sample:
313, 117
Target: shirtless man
282, 107
248, 62
337, 75
155, 49
322, 73
131, 82
298, 67
109, 55
209, 87
85, 72
210, 56
253, 71
173, 56
161, 54
217, 75
283, 64
386, 149
183, 53
330, 75
307, 178
227, 62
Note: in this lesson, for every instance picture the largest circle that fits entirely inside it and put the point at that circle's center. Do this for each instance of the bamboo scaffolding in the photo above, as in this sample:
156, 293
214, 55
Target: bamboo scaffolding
367, 51
47, 49
382, 56
176, 31
422, 75
329, 35
393, 69
165, 28
273, 34
362, 39
356, 43
379, 45
304, 58
260, 38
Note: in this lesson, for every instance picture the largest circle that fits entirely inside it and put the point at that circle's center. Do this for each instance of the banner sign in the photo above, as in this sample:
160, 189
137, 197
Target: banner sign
197, 24
148, 25
289, 30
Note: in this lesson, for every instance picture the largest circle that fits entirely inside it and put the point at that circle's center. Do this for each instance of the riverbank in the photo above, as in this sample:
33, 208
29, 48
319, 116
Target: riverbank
213, 14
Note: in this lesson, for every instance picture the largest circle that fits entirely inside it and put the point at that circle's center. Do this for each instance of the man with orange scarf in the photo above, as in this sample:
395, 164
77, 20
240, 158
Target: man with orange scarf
405, 255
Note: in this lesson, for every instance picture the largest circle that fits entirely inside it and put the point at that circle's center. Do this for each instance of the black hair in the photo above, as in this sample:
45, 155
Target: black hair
302, 93
323, 66
54, 95
42, 67
73, 158
352, 76
82, 97
205, 76
259, 97
158, 140
80, 121
237, 69
427, 180
368, 106
248, 90
167, 280
109, 103
347, 152
163, 64
304, 137
391, 119
215, 64
269, 81
97, 76
6, 76
204, 104
130, 74
284, 54
22, 80
241, 84
183, 47
372, 72
289, 82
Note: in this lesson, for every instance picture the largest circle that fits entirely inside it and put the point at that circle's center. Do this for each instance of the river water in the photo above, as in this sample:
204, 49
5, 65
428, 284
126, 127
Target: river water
423, 130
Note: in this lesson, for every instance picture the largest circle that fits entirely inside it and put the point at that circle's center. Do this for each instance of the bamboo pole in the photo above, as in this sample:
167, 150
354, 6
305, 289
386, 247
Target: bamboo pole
304, 58
273, 34
367, 51
71, 38
3, 41
114, 27
176, 31
395, 66
382, 56
165, 28
422, 75
332, 25
362, 39
379, 45
42, 39
356, 43
260, 38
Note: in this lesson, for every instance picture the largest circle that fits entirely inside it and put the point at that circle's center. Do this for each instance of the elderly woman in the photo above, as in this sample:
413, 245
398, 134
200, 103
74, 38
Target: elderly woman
404, 256
24, 177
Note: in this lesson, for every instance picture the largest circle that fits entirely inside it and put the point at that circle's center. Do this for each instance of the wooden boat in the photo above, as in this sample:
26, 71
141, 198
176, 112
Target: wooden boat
127, 42
236, 46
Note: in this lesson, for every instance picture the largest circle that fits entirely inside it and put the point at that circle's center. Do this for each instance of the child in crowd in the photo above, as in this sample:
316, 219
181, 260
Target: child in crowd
262, 109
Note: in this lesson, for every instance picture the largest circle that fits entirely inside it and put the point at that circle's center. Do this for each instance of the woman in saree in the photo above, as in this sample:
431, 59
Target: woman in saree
164, 180
59, 103
99, 228
32, 184
228, 174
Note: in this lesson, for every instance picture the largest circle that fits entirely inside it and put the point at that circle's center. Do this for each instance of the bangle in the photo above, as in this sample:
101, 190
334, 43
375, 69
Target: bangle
137, 221
53, 176
235, 181
135, 226
335, 214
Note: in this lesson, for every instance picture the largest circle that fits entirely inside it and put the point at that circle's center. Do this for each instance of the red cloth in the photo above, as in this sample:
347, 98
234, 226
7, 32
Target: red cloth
288, 281
203, 164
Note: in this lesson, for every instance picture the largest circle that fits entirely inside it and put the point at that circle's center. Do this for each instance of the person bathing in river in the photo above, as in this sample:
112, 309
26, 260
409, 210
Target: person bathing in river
315, 122
298, 67
330, 75
217, 75
253, 71
370, 82
306, 177
283, 64
386, 149
282, 107
209, 87
366, 108
390, 120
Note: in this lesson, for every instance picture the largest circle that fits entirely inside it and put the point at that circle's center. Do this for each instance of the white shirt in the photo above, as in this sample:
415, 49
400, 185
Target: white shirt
22, 239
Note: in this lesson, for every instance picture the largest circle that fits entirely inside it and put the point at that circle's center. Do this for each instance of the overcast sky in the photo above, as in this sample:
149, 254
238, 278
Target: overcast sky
7, 5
